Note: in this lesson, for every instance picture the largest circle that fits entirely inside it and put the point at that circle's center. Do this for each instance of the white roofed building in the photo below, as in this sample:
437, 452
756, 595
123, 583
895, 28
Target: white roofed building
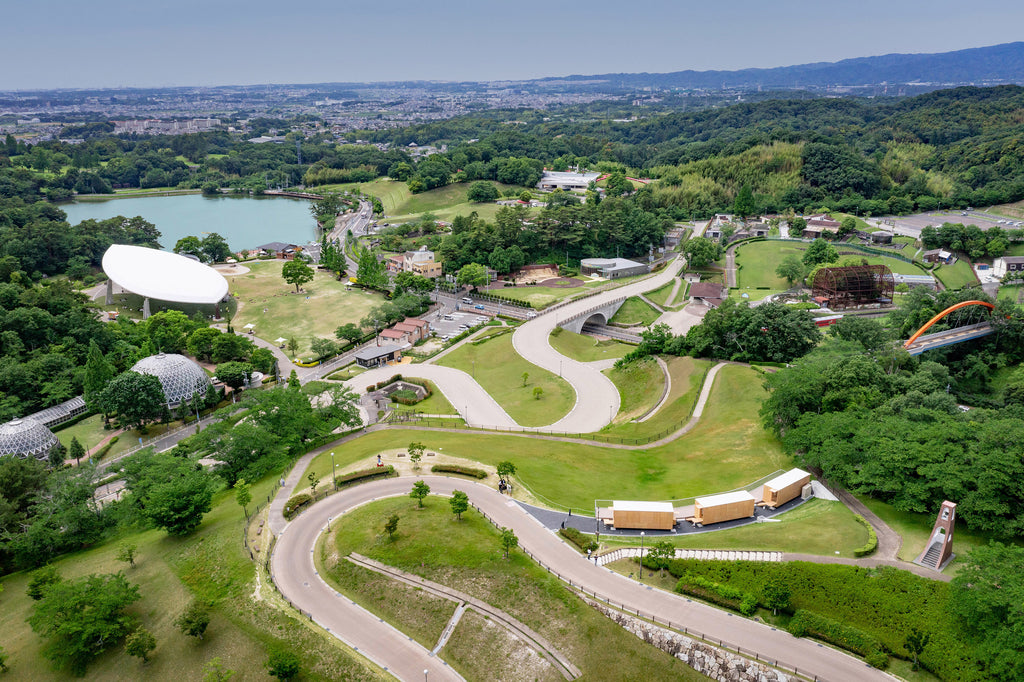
161, 275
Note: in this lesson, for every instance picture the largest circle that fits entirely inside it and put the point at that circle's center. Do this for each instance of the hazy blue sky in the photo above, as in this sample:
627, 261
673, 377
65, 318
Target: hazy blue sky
111, 43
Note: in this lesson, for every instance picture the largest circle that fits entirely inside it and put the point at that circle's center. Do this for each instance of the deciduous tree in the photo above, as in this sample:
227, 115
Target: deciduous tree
296, 272
459, 502
701, 252
391, 527
127, 552
509, 540
194, 620
140, 644
419, 492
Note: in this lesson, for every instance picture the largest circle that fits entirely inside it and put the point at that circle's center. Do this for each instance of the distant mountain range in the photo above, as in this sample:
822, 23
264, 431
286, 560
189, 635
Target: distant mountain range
979, 66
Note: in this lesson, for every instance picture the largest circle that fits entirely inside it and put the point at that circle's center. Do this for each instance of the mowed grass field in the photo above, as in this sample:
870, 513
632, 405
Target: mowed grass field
586, 348
90, 433
726, 450
467, 556
956, 276
401, 205
541, 297
758, 260
212, 565
635, 311
641, 385
324, 304
635, 392
497, 367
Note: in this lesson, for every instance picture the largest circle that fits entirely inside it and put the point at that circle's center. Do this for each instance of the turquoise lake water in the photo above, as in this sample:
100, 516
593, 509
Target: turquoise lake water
245, 222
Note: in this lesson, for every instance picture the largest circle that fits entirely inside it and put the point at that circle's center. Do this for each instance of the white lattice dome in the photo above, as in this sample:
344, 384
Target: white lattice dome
26, 438
180, 377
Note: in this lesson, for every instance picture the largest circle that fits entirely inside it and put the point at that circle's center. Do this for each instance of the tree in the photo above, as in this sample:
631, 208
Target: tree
744, 206
915, 643
506, 469
797, 225
127, 552
416, 451
350, 332
419, 492
190, 244
140, 644
75, 450
509, 540
537, 392
98, 373
172, 492
701, 252
215, 248
214, 671
314, 481
234, 374
820, 251
3, 660
370, 271
868, 333
391, 527
194, 620
55, 458
791, 269
283, 664
296, 272
775, 595
482, 191
323, 347
526, 377
660, 555
472, 275
200, 342
293, 380
41, 581
848, 225
243, 495
81, 618
986, 596
459, 502
135, 398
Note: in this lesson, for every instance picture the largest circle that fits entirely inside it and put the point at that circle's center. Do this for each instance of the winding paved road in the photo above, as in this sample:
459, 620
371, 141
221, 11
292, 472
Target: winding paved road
297, 578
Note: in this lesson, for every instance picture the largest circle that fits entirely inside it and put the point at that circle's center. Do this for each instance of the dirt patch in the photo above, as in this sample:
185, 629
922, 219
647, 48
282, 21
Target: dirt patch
229, 269
565, 282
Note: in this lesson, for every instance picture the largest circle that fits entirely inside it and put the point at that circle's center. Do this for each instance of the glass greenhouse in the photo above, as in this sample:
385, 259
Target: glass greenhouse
26, 438
180, 377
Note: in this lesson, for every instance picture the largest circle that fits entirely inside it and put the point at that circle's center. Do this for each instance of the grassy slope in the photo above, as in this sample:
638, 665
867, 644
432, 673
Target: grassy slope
641, 385
687, 374
210, 564
467, 556
661, 294
634, 311
541, 297
499, 369
727, 449
956, 276
586, 348
330, 305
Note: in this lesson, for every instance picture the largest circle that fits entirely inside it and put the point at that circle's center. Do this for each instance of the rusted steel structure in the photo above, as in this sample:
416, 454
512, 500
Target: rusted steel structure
853, 285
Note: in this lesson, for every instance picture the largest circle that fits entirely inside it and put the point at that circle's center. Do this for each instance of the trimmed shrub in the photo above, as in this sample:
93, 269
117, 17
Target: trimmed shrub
460, 470
872, 544
364, 474
578, 538
847, 637
296, 503
717, 593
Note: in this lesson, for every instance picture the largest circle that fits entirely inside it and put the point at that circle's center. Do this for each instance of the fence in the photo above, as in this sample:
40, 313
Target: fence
678, 627
208, 419
248, 519
704, 554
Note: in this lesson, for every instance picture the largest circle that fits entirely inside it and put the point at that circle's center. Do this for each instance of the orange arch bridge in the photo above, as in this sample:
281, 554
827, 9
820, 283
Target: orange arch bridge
941, 315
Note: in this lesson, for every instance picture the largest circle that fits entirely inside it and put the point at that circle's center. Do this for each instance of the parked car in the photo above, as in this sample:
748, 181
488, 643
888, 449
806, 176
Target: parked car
467, 299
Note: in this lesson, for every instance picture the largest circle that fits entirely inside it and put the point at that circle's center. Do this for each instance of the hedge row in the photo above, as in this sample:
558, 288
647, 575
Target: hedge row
102, 452
363, 474
843, 636
456, 469
295, 503
578, 538
717, 593
871, 545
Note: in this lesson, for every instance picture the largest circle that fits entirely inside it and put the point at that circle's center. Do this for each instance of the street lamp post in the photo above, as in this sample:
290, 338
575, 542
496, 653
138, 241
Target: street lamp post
334, 474
641, 556
425, 673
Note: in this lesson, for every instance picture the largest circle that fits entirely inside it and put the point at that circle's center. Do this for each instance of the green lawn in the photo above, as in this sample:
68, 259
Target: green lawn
90, 433
467, 556
635, 311
586, 348
687, 375
641, 385
541, 297
956, 276
401, 205
210, 564
1014, 293
661, 294
728, 449
329, 305
435, 404
499, 369
916, 528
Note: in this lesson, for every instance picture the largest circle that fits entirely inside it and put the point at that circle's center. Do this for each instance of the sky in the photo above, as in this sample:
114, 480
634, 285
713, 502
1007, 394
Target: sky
114, 43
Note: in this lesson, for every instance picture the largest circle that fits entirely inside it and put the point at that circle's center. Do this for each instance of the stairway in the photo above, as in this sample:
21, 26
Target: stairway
931, 557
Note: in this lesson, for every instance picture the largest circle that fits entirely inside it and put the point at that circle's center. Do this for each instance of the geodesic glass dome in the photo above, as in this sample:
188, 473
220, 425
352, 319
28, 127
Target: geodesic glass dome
26, 438
180, 377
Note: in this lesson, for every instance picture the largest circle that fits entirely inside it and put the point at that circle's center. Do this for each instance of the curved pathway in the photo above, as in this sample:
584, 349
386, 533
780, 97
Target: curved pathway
296, 576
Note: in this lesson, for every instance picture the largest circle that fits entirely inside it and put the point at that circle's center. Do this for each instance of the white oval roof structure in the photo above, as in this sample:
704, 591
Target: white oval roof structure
163, 275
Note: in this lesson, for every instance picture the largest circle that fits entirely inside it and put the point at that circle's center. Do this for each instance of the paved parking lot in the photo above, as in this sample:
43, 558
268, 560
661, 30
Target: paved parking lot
459, 322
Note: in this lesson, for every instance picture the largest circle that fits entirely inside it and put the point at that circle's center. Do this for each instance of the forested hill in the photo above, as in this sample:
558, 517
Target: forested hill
994, 64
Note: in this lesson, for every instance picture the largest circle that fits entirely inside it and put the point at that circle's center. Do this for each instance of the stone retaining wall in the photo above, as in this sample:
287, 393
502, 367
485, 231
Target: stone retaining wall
704, 658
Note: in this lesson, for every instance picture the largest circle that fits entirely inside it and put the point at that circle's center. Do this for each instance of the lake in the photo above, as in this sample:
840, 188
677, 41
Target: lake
245, 222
